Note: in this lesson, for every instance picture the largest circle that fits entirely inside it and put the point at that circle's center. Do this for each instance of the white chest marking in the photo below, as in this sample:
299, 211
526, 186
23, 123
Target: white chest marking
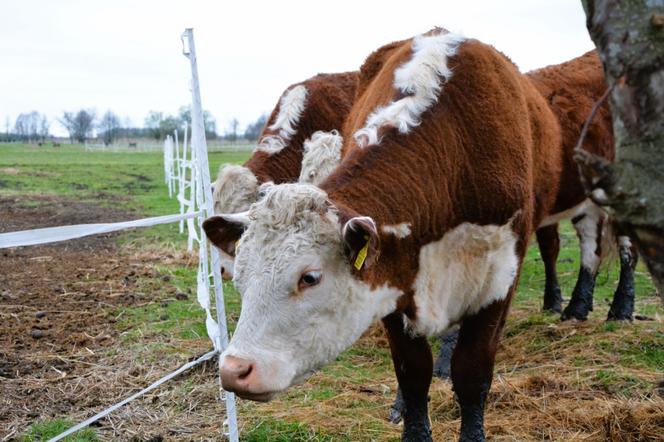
470, 267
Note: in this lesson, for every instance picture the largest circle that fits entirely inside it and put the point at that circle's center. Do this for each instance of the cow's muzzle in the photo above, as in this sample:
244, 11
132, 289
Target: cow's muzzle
240, 377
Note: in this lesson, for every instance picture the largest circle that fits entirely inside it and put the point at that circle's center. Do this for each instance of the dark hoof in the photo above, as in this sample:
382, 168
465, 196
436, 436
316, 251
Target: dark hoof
554, 309
395, 415
619, 317
397, 409
575, 311
421, 434
553, 301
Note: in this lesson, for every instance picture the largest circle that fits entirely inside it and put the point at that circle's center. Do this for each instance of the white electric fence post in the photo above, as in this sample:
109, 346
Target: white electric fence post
200, 146
168, 164
176, 161
182, 175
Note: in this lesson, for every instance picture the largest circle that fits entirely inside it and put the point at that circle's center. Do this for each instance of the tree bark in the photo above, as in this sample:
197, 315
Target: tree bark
630, 37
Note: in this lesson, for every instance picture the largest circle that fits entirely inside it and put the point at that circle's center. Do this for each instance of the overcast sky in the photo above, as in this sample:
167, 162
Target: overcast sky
125, 55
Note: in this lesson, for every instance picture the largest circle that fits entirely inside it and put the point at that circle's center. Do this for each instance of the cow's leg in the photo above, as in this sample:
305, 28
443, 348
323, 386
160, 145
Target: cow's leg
622, 307
413, 365
589, 230
549, 247
441, 369
442, 366
472, 365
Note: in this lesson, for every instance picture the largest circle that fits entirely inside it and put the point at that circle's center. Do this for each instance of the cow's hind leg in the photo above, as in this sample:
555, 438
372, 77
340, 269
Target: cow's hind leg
549, 246
442, 365
622, 307
589, 229
413, 365
472, 365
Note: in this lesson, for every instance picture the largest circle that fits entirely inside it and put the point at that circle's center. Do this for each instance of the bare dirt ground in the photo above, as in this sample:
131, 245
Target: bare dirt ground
61, 353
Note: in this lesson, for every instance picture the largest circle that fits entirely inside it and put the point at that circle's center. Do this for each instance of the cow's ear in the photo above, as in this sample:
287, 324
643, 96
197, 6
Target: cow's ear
225, 230
361, 241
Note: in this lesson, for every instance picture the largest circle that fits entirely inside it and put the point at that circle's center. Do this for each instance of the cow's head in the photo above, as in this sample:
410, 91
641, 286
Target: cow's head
303, 299
234, 191
322, 153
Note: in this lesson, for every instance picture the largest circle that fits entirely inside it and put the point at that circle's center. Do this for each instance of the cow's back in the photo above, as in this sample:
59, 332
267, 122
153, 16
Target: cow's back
329, 98
572, 89
471, 158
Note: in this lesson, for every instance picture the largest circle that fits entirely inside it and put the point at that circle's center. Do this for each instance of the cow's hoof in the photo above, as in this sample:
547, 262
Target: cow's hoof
420, 433
397, 409
575, 311
554, 309
627, 317
553, 302
395, 415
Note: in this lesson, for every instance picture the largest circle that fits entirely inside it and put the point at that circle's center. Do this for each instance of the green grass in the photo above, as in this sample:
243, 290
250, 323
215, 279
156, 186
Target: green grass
42, 431
272, 430
132, 181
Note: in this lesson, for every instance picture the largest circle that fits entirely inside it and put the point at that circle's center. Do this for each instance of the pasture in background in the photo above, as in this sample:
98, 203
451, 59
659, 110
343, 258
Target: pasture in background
86, 323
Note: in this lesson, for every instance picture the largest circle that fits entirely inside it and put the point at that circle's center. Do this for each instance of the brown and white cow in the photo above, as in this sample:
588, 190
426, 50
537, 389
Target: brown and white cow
320, 103
572, 89
424, 224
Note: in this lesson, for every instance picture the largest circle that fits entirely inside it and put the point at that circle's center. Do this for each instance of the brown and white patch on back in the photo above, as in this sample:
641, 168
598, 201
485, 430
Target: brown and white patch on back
322, 153
291, 106
401, 230
418, 82
469, 268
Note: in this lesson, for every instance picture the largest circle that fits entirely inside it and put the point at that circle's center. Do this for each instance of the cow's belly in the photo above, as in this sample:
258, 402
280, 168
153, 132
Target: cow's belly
567, 214
470, 267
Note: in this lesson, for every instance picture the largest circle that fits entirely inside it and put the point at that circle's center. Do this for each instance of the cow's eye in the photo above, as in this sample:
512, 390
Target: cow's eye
309, 279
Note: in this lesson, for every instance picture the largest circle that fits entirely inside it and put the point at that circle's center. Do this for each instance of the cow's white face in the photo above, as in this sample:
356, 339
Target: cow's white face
301, 303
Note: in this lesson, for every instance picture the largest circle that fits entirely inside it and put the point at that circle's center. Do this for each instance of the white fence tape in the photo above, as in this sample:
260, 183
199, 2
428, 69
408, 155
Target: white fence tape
112, 408
63, 233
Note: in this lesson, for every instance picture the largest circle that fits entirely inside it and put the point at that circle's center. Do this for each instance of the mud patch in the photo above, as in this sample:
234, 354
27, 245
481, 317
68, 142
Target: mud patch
59, 343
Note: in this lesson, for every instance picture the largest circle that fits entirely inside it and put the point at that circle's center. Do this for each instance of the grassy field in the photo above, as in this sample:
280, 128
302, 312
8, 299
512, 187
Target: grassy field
553, 381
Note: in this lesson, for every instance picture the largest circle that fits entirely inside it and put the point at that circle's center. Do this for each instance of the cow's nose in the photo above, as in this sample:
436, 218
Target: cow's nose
225, 274
236, 374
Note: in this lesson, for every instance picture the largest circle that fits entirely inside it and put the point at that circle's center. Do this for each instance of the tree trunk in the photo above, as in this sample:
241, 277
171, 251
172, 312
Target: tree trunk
630, 37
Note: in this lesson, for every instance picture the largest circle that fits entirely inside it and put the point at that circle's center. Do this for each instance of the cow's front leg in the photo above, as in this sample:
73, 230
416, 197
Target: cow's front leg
441, 370
548, 241
472, 366
413, 365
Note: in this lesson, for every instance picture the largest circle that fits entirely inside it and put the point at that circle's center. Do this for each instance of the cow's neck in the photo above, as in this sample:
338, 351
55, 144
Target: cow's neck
446, 259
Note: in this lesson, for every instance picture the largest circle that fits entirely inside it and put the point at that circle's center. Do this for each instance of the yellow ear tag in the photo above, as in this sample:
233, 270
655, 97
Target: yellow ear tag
362, 254
237, 243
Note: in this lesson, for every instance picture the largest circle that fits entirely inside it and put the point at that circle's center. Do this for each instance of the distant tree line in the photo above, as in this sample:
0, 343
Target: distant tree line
82, 124
29, 127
